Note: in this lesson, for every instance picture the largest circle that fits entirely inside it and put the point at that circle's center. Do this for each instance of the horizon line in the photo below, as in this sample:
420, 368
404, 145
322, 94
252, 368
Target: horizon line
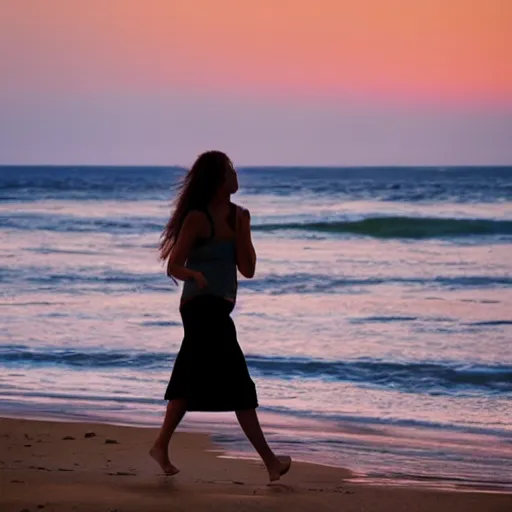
269, 166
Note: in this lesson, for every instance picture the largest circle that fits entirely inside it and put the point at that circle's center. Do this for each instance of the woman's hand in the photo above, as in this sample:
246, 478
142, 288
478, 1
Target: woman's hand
200, 280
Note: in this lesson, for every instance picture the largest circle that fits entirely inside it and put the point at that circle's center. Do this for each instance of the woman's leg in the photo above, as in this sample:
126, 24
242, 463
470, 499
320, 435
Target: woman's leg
276, 466
176, 409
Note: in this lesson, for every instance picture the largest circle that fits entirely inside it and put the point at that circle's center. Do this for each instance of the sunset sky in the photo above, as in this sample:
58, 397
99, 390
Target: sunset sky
327, 82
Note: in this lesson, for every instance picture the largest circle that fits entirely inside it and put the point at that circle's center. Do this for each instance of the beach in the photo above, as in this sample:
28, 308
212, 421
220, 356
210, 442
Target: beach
377, 327
360, 300
62, 466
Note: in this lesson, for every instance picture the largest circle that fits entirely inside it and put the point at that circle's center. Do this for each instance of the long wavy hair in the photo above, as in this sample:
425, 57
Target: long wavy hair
195, 192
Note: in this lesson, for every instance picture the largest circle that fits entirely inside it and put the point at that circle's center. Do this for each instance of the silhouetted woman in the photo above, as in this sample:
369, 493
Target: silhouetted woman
205, 241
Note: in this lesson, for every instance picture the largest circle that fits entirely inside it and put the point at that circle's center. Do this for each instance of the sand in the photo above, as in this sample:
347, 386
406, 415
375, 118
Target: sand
56, 466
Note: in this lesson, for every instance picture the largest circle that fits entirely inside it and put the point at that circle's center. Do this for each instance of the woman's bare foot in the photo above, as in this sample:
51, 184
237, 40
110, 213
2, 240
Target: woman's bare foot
162, 459
280, 467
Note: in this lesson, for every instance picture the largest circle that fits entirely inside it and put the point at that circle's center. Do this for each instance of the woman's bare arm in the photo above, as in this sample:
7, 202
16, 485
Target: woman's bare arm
189, 232
245, 252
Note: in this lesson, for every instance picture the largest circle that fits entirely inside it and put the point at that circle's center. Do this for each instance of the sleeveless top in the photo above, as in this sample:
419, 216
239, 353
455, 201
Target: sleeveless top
216, 260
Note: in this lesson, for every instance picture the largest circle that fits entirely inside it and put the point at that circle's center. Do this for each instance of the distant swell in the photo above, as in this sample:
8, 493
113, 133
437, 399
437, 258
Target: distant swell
397, 184
401, 227
417, 377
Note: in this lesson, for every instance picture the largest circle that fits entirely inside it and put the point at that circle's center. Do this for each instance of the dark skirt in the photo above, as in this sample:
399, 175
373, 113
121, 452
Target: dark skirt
210, 371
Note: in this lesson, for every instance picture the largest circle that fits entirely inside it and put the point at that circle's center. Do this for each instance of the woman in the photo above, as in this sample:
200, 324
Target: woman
205, 241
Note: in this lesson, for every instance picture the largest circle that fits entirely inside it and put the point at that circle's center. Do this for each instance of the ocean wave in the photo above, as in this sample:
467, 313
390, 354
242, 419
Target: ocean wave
400, 227
305, 283
115, 280
414, 377
76, 224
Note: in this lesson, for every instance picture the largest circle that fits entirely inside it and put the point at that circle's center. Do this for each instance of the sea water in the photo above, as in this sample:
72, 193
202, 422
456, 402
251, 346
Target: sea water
378, 327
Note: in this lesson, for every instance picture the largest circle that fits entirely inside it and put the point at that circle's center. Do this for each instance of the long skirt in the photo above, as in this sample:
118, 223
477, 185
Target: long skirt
210, 371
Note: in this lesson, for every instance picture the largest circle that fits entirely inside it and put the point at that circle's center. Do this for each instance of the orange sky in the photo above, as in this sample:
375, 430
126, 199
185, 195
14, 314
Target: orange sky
327, 82
444, 50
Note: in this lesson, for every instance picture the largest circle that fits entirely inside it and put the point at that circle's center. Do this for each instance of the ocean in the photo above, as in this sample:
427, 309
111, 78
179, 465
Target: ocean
378, 327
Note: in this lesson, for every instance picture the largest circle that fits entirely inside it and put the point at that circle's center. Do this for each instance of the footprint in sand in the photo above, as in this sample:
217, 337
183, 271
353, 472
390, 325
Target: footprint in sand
111, 441
280, 488
235, 482
39, 468
68, 438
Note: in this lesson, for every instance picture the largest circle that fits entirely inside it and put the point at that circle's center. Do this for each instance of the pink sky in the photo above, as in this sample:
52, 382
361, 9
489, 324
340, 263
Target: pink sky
327, 82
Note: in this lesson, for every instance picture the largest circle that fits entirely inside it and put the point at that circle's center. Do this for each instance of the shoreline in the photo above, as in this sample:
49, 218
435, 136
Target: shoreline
218, 434
373, 456
61, 466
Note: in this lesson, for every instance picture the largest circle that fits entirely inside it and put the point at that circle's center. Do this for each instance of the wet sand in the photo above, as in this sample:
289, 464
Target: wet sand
58, 466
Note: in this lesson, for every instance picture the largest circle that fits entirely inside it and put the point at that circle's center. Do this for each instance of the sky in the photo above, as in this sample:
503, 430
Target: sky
271, 82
